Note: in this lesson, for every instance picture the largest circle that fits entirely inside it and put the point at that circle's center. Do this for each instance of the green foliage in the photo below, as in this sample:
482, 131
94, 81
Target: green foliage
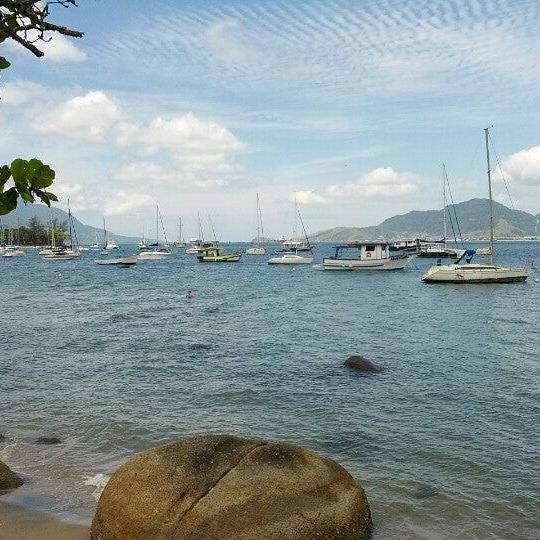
30, 177
36, 233
4, 64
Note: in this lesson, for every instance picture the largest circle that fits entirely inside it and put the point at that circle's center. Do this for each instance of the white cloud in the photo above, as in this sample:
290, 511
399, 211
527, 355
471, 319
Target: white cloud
195, 146
225, 44
122, 202
20, 92
522, 168
382, 182
90, 116
144, 172
307, 197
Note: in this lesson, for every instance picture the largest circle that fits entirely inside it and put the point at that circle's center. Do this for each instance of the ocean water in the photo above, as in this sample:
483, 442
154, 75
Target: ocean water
445, 441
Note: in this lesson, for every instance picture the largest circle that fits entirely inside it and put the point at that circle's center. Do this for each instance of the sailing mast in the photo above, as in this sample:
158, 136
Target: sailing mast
70, 231
486, 130
444, 204
258, 220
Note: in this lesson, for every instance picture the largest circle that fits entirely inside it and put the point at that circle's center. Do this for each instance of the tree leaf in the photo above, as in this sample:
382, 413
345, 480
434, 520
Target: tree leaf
4, 64
8, 201
5, 174
18, 170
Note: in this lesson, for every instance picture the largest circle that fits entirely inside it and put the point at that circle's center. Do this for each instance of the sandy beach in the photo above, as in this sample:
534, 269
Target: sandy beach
17, 523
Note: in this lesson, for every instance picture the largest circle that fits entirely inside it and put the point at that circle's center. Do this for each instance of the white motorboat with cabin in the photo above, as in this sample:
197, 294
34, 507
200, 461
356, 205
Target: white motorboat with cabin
366, 256
468, 272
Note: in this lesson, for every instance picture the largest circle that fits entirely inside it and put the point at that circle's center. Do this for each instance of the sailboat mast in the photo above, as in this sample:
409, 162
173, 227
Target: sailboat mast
486, 130
70, 231
157, 225
258, 228
444, 204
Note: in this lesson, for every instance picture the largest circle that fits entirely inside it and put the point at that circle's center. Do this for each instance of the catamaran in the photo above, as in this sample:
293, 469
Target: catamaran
463, 271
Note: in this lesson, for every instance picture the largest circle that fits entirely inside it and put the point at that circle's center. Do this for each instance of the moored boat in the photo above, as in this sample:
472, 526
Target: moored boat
476, 273
120, 261
216, 254
289, 257
366, 256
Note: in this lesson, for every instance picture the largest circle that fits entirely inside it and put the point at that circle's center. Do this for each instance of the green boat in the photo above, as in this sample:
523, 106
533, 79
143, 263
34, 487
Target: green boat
216, 254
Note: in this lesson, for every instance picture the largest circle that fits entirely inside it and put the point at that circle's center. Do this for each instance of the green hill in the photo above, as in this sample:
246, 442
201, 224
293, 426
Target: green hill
472, 217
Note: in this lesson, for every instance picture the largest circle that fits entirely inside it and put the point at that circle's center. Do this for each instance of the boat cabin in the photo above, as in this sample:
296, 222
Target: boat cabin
364, 251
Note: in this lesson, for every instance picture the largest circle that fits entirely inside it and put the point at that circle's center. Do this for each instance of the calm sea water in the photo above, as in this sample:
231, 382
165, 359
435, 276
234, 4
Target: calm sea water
445, 440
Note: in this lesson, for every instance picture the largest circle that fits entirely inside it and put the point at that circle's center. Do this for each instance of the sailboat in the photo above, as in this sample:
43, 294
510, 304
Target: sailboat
290, 255
257, 249
157, 253
294, 245
197, 245
180, 242
64, 253
441, 249
468, 272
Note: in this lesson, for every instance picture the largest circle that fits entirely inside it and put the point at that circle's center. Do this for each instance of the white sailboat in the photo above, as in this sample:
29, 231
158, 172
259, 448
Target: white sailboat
477, 273
257, 249
180, 242
64, 253
438, 249
291, 256
157, 253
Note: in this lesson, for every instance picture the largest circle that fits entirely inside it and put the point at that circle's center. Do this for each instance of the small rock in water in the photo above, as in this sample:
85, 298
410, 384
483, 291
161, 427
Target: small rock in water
8, 479
424, 491
48, 440
362, 364
2, 438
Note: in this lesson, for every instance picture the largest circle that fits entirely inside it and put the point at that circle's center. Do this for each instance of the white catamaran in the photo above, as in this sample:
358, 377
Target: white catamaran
468, 272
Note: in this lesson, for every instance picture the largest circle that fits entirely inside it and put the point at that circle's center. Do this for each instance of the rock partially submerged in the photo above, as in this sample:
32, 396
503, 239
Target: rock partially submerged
8, 479
360, 363
48, 440
219, 486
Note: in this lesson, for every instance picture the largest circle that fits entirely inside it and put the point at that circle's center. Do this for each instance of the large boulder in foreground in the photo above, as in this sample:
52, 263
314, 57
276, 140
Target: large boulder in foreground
219, 486
8, 479
360, 363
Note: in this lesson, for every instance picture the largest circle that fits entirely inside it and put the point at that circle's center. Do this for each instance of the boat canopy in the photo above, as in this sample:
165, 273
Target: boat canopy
467, 255
360, 244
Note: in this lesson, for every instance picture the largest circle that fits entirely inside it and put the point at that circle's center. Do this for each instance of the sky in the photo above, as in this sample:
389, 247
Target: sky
351, 107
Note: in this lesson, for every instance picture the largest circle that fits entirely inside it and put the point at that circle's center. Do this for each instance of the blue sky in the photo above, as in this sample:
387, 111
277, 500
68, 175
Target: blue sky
353, 106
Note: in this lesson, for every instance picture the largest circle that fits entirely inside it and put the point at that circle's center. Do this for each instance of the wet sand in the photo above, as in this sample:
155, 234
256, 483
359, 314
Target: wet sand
17, 523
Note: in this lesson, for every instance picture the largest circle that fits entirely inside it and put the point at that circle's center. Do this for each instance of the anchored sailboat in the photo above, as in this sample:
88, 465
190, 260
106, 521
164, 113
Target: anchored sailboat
477, 273
157, 253
257, 249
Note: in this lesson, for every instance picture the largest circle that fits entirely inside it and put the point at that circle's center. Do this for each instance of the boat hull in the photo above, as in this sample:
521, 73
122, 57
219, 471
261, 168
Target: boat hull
122, 261
256, 251
295, 259
153, 255
397, 263
474, 273
232, 257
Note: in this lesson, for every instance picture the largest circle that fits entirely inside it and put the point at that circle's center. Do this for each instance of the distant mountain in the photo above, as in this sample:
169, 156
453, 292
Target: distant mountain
85, 233
472, 218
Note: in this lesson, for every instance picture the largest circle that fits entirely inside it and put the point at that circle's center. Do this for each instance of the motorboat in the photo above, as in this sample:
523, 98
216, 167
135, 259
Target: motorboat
216, 254
121, 261
366, 256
